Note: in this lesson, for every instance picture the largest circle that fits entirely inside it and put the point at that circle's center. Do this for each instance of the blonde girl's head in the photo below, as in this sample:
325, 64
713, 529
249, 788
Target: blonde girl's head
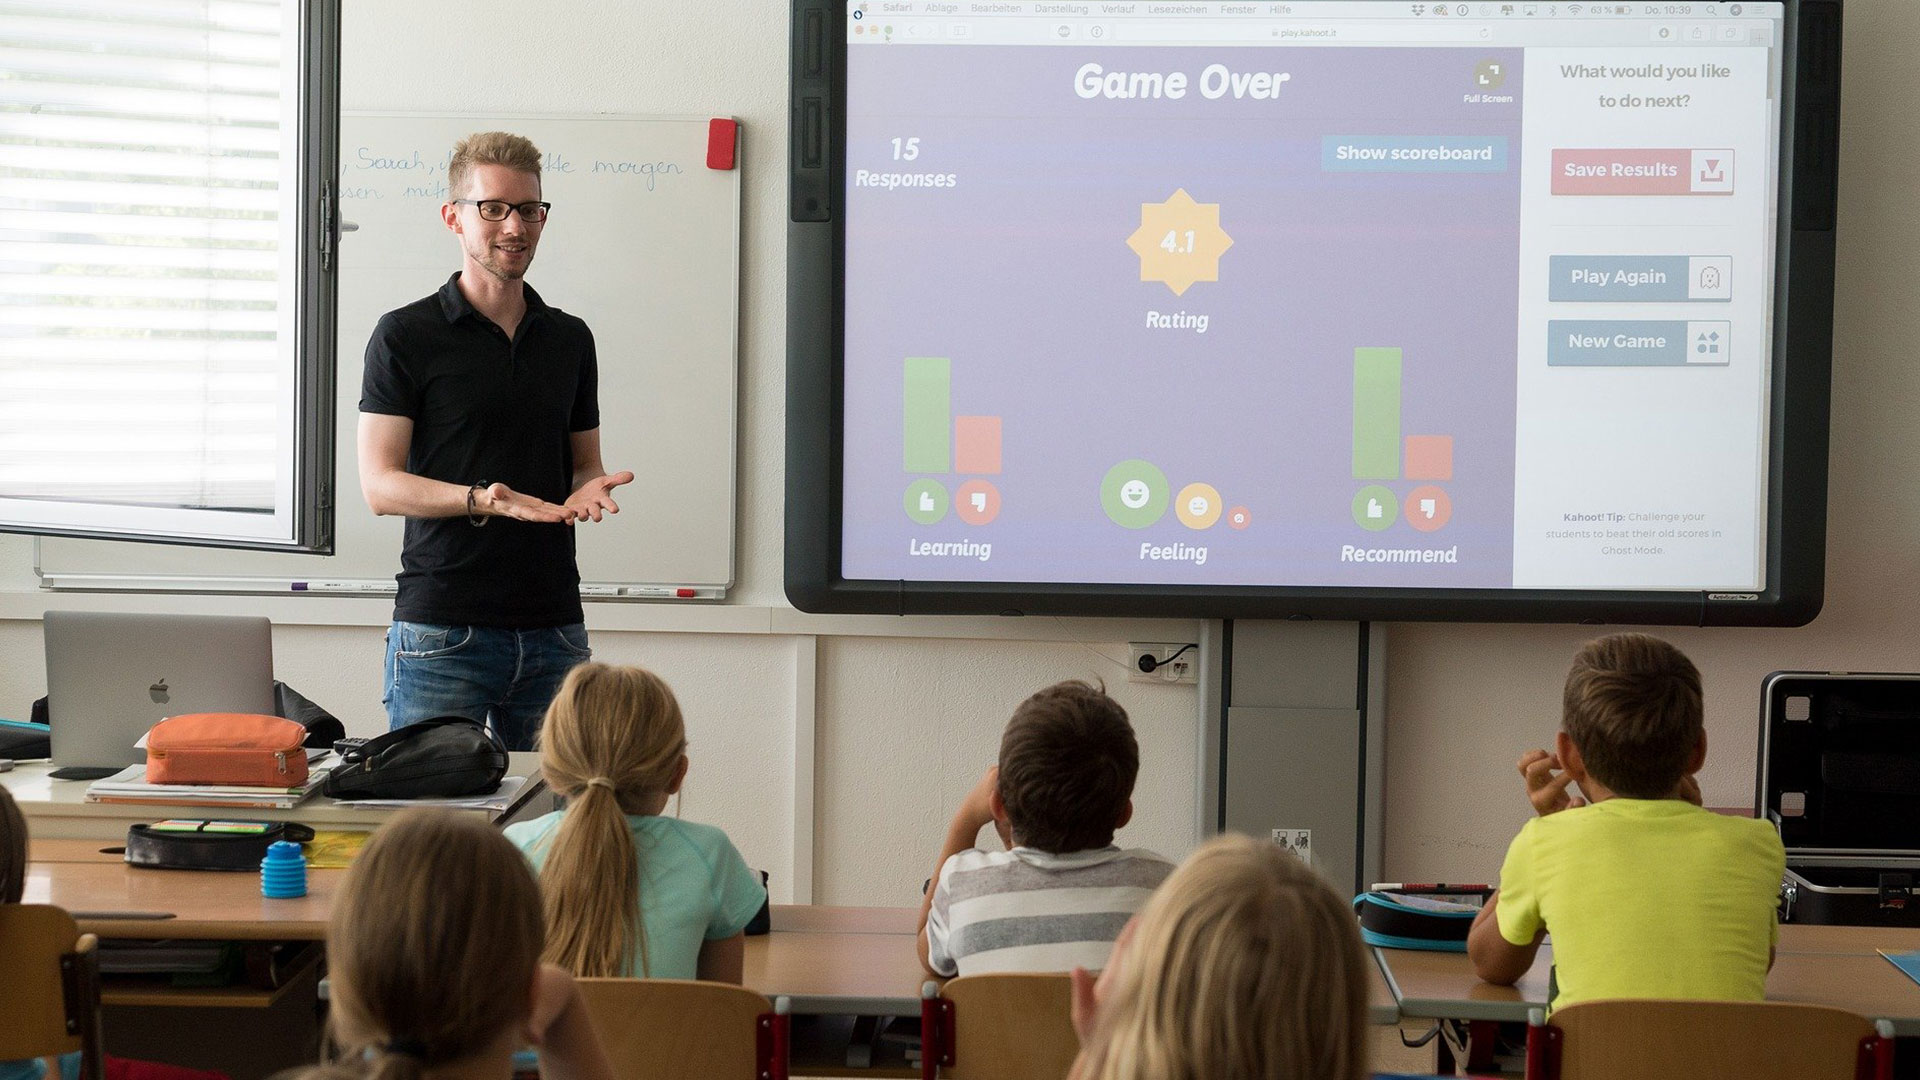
433, 946
1244, 965
613, 744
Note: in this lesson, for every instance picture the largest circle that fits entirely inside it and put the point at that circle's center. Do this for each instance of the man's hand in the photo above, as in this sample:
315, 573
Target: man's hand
499, 500
1547, 782
592, 500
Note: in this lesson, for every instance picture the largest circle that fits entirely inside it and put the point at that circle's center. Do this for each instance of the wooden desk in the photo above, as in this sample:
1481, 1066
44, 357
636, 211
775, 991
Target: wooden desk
863, 961
206, 905
1819, 965
58, 809
839, 961
827, 960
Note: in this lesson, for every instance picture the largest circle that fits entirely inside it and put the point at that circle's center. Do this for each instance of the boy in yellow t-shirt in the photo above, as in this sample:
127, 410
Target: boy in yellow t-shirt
1646, 894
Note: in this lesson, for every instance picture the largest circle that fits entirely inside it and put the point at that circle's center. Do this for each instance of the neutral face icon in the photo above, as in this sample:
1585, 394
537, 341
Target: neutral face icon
158, 692
1134, 493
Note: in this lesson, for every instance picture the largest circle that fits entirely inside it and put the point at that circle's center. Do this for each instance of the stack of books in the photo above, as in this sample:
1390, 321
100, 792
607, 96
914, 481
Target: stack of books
129, 785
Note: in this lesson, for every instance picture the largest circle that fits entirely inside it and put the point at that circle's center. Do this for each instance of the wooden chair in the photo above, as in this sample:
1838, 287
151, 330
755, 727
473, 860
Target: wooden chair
1705, 1040
998, 1027
665, 1029
49, 987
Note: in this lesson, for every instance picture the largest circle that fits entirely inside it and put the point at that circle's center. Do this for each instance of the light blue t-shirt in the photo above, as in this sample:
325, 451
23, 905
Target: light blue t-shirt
694, 887
36, 1068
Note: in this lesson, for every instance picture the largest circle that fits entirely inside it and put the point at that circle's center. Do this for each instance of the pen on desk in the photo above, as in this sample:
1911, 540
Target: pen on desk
1428, 887
104, 916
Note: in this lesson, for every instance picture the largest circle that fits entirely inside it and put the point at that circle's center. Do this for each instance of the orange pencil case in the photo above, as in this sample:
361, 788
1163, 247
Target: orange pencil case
227, 748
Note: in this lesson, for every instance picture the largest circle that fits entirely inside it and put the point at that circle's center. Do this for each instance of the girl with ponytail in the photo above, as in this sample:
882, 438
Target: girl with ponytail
629, 892
434, 955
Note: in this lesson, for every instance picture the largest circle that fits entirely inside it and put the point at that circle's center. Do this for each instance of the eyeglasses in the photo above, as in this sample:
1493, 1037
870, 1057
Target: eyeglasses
494, 210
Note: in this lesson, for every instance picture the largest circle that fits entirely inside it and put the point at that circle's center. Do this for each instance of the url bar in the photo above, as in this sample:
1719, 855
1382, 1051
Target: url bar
1280, 33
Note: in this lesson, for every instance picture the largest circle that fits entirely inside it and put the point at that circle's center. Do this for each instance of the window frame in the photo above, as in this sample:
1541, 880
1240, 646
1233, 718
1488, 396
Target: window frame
307, 522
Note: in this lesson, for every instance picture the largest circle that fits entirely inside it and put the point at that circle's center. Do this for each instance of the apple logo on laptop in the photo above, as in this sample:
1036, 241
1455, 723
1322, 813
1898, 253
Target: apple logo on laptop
158, 692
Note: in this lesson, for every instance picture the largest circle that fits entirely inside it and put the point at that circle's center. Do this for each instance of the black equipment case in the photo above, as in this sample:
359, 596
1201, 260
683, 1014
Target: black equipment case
1839, 776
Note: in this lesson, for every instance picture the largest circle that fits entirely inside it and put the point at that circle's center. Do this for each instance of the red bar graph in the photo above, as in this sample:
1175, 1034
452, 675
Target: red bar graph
1429, 457
976, 445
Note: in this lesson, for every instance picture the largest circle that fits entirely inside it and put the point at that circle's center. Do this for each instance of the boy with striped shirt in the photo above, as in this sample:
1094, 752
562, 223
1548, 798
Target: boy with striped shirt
1058, 897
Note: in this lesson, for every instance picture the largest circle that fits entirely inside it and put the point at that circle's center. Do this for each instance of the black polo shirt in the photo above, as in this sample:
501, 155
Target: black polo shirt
486, 408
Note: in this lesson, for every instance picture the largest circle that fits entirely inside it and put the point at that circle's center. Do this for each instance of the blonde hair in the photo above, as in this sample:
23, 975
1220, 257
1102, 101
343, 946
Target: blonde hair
516, 152
612, 741
1244, 966
13, 850
433, 946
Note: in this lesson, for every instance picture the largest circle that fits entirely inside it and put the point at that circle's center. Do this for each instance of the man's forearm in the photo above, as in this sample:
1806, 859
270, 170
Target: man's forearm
408, 495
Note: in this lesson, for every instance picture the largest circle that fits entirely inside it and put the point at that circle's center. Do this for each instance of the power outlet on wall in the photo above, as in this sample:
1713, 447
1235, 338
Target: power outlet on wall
1297, 841
1155, 661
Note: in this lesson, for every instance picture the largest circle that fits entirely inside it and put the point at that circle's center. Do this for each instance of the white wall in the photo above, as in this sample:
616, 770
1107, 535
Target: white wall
833, 749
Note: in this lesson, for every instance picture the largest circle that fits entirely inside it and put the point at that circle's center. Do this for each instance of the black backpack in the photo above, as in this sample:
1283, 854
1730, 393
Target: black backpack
445, 757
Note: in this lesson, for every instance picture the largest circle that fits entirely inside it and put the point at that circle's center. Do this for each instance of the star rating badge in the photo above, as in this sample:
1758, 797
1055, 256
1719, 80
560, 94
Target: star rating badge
1179, 241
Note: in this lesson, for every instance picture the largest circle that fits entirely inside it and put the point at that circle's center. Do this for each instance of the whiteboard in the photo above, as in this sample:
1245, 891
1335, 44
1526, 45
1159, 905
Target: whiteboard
643, 242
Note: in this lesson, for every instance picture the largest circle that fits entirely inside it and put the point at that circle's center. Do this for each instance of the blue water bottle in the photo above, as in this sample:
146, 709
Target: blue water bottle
283, 873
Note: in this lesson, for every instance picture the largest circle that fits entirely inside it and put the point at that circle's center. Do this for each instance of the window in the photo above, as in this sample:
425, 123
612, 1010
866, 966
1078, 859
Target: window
166, 287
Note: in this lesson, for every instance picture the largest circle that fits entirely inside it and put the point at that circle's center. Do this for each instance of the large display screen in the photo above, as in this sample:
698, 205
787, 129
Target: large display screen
1372, 302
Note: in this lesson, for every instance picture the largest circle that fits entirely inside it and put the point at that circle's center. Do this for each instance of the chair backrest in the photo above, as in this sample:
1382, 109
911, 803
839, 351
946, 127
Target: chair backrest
49, 986
1011, 1027
1750, 1040
672, 1028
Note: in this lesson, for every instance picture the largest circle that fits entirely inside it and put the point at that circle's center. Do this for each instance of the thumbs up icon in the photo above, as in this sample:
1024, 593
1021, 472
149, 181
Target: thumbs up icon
1374, 509
926, 502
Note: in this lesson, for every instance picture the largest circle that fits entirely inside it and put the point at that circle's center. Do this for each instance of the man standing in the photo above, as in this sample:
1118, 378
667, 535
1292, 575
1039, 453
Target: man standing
480, 422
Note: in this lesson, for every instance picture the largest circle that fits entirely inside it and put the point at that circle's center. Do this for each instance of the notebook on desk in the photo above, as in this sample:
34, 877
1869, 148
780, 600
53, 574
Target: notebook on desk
113, 675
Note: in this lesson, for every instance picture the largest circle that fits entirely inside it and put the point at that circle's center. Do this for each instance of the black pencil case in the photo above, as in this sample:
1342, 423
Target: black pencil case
1399, 921
214, 845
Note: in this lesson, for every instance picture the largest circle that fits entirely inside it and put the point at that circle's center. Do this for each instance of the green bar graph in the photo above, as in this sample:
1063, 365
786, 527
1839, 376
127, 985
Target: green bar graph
1376, 414
927, 414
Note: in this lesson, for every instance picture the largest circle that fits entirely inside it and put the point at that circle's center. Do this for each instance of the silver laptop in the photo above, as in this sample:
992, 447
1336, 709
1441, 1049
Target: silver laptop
112, 675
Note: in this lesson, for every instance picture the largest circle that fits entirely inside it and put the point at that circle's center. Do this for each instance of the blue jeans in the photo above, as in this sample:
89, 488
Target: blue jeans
497, 676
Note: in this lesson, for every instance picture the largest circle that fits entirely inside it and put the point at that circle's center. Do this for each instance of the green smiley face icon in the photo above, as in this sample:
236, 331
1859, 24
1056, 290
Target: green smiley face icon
1134, 494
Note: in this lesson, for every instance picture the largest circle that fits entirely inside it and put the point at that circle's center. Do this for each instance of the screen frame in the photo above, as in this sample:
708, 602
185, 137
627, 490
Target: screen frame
1798, 420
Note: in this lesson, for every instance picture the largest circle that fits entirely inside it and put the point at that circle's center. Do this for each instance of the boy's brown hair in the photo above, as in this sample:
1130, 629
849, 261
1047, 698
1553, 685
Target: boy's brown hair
1633, 709
516, 152
1068, 760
